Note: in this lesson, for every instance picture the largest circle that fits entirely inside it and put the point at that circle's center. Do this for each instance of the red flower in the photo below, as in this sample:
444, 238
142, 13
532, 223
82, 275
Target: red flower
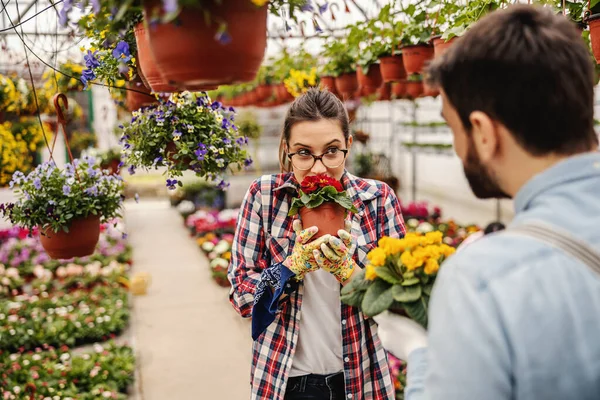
312, 183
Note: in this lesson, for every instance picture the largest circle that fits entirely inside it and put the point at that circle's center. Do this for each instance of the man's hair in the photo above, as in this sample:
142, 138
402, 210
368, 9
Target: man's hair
529, 70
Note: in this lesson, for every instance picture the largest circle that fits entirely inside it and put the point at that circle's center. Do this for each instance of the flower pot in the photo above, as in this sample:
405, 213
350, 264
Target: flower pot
150, 72
80, 241
414, 89
429, 91
372, 79
415, 57
367, 91
347, 84
440, 45
392, 68
328, 217
384, 93
112, 167
594, 24
264, 92
328, 82
399, 89
188, 54
282, 94
171, 150
139, 96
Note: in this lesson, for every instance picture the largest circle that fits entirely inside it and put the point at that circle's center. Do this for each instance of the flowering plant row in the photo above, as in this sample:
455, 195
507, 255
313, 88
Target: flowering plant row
49, 373
203, 221
218, 250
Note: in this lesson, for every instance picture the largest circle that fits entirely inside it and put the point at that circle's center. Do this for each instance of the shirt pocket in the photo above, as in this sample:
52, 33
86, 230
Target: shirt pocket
366, 240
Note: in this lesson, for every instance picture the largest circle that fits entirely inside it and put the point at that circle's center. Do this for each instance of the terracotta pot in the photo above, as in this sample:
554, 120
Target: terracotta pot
328, 217
138, 96
171, 150
415, 57
440, 45
399, 89
79, 242
367, 91
346, 84
372, 79
264, 92
188, 54
384, 93
594, 24
430, 91
282, 94
152, 77
328, 82
392, 68
414, 89
112, 167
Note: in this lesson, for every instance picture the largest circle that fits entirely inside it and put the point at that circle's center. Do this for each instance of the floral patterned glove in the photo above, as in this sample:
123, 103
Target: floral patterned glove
302, 260
334, 256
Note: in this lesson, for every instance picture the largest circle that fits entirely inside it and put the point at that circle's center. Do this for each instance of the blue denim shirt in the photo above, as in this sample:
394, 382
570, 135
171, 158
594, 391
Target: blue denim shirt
514, 318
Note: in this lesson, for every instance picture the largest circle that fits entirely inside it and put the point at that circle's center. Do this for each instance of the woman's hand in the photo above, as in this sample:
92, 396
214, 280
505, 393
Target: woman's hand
302, 259
334, 256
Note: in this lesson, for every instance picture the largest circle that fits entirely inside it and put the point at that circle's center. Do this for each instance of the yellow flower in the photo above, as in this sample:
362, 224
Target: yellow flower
227, 255
370, 273
260, 3
377, 257
447, 250
410, 262
434, 237
431, 266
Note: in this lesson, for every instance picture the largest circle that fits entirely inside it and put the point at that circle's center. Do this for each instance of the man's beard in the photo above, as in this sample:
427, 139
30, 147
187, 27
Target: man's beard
483, 185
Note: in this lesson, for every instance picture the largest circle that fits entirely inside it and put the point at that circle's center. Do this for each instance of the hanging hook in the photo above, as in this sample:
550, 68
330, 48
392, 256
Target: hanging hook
302, 26
331, 6
59, 111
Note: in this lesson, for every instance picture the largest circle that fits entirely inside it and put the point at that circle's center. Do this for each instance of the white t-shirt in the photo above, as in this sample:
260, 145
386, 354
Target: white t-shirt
319, 348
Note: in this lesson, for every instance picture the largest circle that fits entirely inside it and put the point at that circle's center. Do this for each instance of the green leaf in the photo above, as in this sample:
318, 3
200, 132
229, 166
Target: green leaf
387, 275
428, 288
378, 298
316, 202
406, 294
410, 282
353, 299
417, 311
124, 7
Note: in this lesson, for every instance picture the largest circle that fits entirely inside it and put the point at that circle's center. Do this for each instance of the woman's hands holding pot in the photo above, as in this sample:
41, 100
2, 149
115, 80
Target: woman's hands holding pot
302, 259
334, 255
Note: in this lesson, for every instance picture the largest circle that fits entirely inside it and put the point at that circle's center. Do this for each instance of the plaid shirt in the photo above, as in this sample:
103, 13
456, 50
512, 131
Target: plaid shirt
265, 237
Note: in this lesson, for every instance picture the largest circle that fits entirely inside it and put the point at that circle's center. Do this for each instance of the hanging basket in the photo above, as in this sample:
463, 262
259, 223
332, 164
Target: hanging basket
187, 54
594, 24
80, 241
112, 167
328, 217
138, 95
414, 89
372, 79
399, 89
440, 45
151, 74
392, 68
415, 57
347, 84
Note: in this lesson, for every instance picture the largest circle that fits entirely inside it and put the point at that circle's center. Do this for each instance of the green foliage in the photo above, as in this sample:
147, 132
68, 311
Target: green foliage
464, 17
248, 125
323, 195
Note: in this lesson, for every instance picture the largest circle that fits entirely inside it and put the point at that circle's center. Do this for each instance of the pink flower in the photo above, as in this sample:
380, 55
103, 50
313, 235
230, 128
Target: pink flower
61, 272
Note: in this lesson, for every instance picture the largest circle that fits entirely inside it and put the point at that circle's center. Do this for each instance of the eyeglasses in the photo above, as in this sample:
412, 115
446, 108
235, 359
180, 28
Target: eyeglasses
304, 160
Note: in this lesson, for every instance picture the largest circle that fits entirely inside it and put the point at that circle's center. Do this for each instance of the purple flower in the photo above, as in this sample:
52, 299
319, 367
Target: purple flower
64, 11
123, 68
137, 198
223, 37
158, 160
124, 236
176, 134
226, 140
96, 6
323, 8
231, 109
172, 184
216, 105
201, 152
87, 76
121, 52
226, 124
37, 183
317, 27
92, 191
247, 162
131, 170
170, 6
66, 190
307, 7
223, 185
242, 140
90, 60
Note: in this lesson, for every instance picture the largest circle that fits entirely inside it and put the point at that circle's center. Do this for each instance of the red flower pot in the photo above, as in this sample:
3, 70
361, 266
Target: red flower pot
414, 89
372, 79
152, 76
328, 82
399, 89
282, 94
112, 167
594, 24
392, 68
138, 95
415, 57
188, 54
80, 241
328, 217
440, 45
346, 84
384, 93
264, 92
429, 91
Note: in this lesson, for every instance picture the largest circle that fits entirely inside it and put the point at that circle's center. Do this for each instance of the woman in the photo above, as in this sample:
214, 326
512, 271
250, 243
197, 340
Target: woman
307, 344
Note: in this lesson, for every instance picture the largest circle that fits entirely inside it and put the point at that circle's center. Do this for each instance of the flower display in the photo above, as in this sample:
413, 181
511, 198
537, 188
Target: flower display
67, 81
52, 198
399, 275
203, 221
188, 131
318, 189
300, 81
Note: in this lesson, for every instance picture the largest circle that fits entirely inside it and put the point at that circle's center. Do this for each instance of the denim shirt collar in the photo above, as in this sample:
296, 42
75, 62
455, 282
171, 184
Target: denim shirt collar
568, 170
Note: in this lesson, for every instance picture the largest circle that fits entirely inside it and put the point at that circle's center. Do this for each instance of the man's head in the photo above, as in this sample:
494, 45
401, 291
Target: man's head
517, 92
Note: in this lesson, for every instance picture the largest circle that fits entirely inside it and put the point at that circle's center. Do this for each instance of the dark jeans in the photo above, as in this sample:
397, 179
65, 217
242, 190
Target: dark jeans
316, 387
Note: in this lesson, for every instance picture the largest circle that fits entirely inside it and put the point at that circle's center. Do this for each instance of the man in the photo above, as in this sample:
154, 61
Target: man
512, 317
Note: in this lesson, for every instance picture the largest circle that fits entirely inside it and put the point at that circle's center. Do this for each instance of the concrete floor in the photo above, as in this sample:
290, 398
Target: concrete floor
189, 341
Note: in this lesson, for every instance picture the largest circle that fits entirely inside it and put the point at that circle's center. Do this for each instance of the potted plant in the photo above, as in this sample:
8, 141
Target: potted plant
414, 86
266, 80
341, 64
67, 80
366, 40
416, 50
389, 33
322, 202
67, 205
399, 276
300, 81
186, 132
110, 160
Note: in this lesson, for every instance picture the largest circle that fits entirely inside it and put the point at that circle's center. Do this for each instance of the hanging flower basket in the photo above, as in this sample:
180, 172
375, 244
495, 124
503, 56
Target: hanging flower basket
138, 95
146, 63
347, 84
188, 54
594, 24
441, 45
80, 241
415, 57
414, 89
399, 89
392, 68
372, 79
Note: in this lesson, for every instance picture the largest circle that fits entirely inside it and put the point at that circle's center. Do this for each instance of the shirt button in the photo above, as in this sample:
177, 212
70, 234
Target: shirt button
346, 359
349, 395
288, 286
343, 322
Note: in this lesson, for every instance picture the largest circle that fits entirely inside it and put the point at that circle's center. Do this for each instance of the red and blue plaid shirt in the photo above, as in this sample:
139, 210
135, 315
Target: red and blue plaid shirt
264, 237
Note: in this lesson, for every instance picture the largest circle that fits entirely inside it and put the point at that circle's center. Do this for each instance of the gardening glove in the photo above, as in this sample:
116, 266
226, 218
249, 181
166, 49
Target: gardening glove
302, 260
400, 335
334, 256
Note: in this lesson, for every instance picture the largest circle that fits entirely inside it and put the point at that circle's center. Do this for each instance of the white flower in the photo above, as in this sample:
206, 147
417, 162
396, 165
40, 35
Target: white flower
77, 324
99, 320
12, 332
36, 357
12, 273
107, 394
17, 389
5, 281
106, 318
425, 227
98, 348
65, 357
91, 325
26, 362
2, 316
29, 332
86, 356
13, 357
13, 318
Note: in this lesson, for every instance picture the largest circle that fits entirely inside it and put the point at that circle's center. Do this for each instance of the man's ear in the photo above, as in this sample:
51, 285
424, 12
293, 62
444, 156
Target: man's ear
485, 135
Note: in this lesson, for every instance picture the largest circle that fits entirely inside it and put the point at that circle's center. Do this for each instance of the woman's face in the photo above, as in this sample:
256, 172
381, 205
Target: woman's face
322, 137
